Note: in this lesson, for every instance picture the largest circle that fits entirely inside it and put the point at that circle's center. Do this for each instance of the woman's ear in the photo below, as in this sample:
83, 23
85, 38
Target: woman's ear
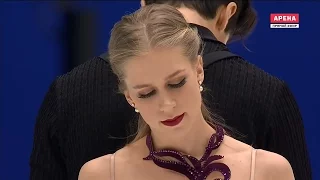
128, 97
199, 69
142, 3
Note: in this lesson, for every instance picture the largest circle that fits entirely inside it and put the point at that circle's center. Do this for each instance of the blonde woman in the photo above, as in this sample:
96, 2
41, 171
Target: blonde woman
154, 53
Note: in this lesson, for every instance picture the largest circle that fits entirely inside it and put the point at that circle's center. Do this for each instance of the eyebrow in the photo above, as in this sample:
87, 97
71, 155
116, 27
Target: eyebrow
168, 77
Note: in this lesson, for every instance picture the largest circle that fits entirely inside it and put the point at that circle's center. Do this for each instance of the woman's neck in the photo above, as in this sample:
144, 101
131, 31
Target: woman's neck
192, 142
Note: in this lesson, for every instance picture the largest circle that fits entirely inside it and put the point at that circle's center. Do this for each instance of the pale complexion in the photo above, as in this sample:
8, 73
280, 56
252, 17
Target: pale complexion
189, 137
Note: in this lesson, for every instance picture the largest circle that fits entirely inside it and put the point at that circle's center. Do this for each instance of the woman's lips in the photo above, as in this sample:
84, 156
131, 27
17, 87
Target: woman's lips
173, 122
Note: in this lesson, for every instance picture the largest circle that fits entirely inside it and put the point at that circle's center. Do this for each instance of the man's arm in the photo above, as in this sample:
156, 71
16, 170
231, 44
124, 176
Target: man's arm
286, 133
46, 161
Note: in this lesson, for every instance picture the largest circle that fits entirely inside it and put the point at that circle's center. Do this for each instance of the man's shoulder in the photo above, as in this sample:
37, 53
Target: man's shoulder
94, 77
235, 67
254, 72
93, 67
93, 71
242, 70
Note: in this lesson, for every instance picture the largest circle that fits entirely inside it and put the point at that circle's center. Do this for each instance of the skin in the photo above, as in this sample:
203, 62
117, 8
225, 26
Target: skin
166, 102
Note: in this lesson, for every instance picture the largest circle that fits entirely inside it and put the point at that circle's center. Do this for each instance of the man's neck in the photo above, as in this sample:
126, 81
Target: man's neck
192, 16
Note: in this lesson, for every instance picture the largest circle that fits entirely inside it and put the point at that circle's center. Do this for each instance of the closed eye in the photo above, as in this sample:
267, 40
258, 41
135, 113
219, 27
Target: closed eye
180, 84
147, 95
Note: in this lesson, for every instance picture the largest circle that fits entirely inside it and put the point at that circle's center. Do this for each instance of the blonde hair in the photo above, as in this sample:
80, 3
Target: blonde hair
151, 27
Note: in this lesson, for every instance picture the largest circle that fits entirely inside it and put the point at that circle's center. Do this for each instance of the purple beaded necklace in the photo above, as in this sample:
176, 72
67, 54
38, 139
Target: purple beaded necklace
200, 169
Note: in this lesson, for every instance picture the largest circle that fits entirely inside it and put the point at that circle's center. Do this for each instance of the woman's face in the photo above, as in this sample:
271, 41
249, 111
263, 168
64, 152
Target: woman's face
164, 86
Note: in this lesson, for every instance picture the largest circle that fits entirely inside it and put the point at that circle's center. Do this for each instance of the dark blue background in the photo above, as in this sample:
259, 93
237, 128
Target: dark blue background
32, 56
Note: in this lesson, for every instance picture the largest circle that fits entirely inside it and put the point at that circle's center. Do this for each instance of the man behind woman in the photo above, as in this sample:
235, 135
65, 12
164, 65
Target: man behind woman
82, 117
160, 74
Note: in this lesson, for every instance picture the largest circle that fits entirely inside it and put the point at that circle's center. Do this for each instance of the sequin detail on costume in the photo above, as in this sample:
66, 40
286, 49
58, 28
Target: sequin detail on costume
200, 169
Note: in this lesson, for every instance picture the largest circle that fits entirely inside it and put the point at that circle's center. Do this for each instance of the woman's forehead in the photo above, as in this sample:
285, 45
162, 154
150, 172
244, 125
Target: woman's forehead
156, 65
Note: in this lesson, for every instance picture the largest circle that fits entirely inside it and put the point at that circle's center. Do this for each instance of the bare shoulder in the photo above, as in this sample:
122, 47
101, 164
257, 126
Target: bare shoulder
236, 146
273, 166
96, 169
125, 158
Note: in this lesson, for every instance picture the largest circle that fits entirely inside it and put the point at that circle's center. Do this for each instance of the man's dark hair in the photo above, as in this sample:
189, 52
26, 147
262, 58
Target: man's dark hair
240, 24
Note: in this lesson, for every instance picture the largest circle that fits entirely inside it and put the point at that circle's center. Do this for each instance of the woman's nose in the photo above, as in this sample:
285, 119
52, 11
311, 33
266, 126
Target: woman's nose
167, 105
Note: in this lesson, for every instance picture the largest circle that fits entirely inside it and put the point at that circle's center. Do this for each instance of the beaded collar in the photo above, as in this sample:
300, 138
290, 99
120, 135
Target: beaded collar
199, 169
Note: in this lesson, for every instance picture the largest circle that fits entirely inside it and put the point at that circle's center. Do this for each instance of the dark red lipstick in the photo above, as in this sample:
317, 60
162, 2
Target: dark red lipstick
174, 121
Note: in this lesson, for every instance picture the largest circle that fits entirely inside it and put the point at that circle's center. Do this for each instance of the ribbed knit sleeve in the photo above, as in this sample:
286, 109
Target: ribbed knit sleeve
286, 133
80, 114
45, 160
262, 108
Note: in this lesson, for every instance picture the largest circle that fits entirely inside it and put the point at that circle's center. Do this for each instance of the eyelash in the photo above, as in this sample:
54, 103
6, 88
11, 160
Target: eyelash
180, 84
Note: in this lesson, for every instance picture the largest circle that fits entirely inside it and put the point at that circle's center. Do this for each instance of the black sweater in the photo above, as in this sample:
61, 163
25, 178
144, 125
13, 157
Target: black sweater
82, 117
